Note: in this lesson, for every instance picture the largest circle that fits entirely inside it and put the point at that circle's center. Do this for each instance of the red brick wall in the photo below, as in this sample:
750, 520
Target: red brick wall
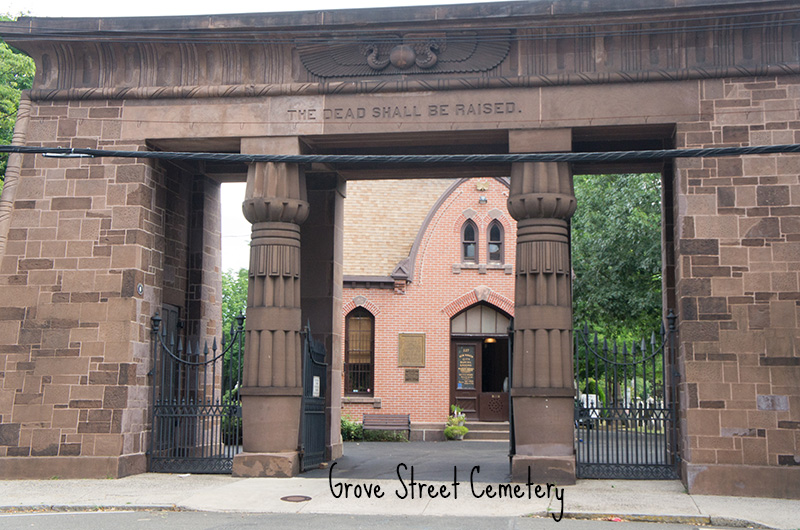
436, 294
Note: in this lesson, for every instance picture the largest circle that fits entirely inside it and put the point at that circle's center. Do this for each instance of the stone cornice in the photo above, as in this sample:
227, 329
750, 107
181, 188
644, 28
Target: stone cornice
405, 85
482, 46
252, 24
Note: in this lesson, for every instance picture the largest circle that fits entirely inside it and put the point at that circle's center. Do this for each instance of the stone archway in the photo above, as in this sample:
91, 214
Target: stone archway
86, 233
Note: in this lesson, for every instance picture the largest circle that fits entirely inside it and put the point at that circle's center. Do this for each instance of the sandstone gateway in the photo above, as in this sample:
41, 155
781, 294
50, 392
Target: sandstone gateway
92, 248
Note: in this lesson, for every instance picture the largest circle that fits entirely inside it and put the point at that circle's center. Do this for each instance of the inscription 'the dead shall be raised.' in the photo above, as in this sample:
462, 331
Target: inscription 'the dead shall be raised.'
394, 112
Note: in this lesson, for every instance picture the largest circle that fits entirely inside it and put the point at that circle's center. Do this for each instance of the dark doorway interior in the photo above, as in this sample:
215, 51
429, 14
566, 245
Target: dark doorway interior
479, 377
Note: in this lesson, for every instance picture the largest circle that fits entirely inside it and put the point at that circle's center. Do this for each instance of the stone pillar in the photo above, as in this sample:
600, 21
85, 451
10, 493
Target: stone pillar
542, 200
323, 236
276, 204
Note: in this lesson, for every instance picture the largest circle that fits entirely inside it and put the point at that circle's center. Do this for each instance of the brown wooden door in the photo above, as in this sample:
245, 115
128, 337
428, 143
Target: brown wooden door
465, 376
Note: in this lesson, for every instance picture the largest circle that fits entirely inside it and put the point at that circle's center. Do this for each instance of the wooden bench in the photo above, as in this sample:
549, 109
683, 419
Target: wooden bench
387, 422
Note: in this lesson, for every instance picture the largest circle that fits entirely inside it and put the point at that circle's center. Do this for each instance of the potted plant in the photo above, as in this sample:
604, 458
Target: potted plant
454, 428
457, 413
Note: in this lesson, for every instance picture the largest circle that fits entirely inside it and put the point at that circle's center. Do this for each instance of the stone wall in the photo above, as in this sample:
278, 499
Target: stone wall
94, 245
738, 256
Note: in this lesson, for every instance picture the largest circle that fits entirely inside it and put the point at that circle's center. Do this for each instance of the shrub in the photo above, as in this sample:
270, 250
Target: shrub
351, 430
451, 432
385, 436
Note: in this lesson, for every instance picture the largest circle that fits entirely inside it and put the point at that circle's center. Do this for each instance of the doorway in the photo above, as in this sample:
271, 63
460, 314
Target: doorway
479, 363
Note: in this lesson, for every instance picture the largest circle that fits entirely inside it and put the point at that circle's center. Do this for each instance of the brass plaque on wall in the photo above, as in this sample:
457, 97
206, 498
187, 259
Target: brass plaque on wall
411, 350
412, 375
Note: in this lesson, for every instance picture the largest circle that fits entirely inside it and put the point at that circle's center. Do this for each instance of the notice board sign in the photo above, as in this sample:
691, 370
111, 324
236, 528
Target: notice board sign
465, 367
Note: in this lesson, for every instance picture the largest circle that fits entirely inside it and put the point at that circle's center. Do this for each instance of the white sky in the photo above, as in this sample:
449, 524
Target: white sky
235, 228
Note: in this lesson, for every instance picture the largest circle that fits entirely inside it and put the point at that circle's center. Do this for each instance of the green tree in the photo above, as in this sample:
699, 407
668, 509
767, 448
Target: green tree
16, 74
234, 302
616, 254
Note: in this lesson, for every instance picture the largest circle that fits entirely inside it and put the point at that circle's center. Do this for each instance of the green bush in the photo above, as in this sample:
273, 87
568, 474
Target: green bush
385, 436
593, 387
451, 432
351, 430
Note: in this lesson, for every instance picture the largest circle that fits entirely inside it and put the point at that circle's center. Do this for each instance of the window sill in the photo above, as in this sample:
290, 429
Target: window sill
362, 400
482, 268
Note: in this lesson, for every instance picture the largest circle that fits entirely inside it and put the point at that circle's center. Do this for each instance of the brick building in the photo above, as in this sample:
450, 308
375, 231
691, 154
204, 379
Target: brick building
413, 277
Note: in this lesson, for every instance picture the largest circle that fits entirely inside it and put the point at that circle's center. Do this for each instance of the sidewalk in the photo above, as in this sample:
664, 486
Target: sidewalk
641, 500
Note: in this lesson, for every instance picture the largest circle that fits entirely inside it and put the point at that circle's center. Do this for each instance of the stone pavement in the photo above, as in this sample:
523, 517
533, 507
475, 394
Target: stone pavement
372, 465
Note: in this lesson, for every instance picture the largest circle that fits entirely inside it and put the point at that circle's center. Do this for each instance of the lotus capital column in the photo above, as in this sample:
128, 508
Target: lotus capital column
542, 201
276, 204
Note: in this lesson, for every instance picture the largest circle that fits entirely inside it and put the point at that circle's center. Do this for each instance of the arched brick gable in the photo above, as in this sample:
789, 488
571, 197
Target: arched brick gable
360, 301
479, 294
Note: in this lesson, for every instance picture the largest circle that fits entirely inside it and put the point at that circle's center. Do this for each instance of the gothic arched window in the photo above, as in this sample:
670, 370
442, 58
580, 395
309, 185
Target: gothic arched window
469, 242
495, 242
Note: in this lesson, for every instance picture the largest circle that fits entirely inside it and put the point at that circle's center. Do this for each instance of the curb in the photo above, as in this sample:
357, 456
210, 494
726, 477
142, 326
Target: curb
698, 520
67, 508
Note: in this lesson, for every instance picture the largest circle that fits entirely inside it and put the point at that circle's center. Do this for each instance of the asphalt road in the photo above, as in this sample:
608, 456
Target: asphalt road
164, 520
431, 461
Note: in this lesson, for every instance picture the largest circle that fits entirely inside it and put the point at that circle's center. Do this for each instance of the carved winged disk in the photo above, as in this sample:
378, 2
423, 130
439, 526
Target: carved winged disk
410, 53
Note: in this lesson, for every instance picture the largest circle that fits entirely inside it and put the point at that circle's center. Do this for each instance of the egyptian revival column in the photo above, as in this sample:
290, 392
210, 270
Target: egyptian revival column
276, 204
542, 201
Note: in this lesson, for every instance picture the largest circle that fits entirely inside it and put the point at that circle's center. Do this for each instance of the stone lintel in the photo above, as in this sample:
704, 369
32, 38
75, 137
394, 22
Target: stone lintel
280, 465
539, 140
271, 145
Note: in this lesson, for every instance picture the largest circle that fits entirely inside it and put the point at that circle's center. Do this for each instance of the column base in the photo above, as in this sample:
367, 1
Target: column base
558, 470
69, 467
282, 465
781, 482
335, 451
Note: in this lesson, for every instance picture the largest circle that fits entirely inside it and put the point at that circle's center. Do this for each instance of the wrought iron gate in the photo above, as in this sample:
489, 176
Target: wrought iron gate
625, 420
512, 441
314, 383
197, 413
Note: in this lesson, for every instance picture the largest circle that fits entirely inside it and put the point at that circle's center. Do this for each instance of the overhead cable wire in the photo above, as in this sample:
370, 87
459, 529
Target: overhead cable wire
239, 158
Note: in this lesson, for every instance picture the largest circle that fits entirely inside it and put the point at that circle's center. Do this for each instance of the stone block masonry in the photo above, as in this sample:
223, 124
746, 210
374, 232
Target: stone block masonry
93, 249
80, 236
737, 264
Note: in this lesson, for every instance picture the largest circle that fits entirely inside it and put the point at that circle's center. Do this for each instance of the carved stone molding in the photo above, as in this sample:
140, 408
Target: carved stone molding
526, 52
409, 53
410, 85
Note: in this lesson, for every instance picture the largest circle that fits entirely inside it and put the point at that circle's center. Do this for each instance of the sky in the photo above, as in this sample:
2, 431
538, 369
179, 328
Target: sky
235, 228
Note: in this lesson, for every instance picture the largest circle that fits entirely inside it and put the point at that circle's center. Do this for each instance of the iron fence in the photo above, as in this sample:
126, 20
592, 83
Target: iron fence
197, 414
625, 418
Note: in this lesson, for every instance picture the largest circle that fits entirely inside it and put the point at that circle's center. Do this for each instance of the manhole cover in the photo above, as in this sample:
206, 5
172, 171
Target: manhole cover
296, 498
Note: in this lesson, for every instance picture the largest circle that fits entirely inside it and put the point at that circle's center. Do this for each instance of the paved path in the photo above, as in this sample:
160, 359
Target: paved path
375, 464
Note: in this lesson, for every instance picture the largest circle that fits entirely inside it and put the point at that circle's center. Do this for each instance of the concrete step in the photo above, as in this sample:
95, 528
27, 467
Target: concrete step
483, 435
488, 426
487, 430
